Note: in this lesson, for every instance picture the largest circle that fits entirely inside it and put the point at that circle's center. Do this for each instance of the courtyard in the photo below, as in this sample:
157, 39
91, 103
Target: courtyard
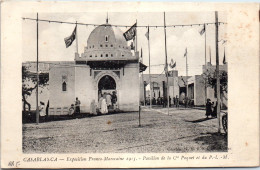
183, 130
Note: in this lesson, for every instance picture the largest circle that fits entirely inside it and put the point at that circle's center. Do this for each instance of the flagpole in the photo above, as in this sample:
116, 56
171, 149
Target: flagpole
166, 66
143, 79
37, 70
149, 67
209, 55
217, 72
187, 84
136, 36
205, 63
77, 50
138, 76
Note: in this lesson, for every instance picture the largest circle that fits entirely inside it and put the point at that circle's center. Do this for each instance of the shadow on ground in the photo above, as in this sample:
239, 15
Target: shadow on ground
198, 120
214, 141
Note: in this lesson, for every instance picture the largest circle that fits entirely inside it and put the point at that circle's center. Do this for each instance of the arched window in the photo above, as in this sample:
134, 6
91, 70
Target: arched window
64, 86
106, 55
106, 38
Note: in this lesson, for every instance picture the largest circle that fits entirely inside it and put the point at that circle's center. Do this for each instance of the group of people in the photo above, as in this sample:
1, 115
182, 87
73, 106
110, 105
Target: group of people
74, 110
106, 101
163, 101
211, 109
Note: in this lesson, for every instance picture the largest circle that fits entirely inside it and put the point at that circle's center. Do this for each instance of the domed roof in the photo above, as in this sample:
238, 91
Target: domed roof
114, 36
106, 42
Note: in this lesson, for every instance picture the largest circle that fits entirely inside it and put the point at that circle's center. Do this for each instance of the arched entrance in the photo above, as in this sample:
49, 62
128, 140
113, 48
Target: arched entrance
107, 86
106, 83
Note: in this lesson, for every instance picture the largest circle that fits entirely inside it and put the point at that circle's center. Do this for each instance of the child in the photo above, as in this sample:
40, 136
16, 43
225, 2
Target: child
71, 110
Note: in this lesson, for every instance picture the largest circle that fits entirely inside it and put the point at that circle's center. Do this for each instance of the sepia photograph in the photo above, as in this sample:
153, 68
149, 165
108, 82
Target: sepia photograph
129, 84
125, 82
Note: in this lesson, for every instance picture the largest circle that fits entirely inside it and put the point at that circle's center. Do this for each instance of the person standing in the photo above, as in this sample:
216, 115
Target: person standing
93, 108
104, 106
42, 111
77, 106
170, 101
208, 108
177, 101
114, 99
108, 99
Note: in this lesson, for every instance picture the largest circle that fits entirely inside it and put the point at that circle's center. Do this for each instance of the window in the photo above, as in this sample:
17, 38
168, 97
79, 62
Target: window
111, 55
95, 55
90, 56
64, 86
106, 55
89, 46
93, 46
101, 55
111, 45
122, 55
101, 45
106, 38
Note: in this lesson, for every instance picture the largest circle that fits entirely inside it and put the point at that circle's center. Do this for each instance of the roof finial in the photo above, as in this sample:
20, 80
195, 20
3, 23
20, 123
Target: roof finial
107, 18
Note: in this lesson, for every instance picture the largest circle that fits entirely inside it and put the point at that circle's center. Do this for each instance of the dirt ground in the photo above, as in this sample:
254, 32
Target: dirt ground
184, 130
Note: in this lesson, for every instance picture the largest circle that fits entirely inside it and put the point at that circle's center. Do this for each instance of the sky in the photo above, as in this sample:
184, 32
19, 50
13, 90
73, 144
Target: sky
52, 46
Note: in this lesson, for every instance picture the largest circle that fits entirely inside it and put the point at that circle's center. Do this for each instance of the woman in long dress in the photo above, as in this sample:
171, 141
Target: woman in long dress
100, 103
104, 106
93, 108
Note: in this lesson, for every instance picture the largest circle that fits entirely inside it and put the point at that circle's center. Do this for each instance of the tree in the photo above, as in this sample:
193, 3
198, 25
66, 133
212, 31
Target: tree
29, 83
211, 80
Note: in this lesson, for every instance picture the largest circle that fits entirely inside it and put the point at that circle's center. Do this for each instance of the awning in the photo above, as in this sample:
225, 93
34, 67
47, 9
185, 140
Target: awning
107, 64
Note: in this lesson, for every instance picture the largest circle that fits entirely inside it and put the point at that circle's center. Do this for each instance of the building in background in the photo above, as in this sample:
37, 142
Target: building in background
177, 86
107, 65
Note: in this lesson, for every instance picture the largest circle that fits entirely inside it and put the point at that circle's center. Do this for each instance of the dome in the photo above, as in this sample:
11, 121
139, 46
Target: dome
114, 35
107, 42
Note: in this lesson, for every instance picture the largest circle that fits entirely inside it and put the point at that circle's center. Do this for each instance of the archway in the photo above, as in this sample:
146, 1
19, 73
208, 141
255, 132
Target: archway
106, 83
107, 87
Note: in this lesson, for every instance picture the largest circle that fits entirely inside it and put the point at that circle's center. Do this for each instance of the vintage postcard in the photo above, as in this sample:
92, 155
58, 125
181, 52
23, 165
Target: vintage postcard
129, 84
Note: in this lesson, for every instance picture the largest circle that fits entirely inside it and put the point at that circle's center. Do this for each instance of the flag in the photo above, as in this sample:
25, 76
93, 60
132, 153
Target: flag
202, 31
130, 34
69, 40
172, 64
147, 34
185, 54
224, 59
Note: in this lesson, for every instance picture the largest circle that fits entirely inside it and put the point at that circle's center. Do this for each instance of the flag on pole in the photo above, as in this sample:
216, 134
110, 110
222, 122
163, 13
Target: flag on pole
69, 40
203, 30
147, 34
224, 59
186, 52
172, 64
130, 33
